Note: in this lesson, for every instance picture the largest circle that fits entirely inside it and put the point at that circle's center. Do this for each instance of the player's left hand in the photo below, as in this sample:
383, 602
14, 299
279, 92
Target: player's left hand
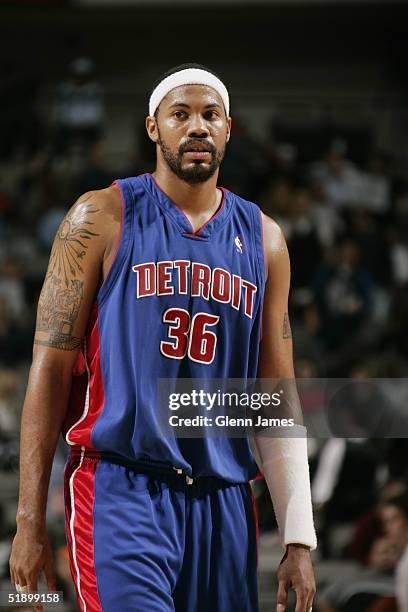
296, 571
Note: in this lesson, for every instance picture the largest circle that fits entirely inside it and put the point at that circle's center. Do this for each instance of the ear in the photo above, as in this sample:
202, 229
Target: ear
151, 127
229, 124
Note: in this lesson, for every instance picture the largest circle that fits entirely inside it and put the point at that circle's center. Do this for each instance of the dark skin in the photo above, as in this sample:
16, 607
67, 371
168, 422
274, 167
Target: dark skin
276, 362
193, 111
184, 114
82, 254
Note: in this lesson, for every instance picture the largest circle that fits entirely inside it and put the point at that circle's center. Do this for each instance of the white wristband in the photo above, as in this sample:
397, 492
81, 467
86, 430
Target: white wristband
285, 466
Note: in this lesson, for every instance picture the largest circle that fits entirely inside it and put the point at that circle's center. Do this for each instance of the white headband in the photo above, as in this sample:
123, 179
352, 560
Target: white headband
189, 76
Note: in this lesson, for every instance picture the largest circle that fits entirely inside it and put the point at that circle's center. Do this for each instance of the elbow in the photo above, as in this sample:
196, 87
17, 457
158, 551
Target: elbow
49, 361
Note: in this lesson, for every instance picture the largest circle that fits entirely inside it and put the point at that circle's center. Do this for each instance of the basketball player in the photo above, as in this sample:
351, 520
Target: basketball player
162, 276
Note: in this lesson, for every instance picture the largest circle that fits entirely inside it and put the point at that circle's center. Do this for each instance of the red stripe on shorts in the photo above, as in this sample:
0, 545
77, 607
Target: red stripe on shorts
256, 519
79, 490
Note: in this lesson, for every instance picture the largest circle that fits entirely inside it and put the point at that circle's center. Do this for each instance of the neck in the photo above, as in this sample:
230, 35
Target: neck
193, 199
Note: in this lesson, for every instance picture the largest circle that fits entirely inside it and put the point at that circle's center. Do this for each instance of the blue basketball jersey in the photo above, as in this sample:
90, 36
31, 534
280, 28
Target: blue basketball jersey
175, 304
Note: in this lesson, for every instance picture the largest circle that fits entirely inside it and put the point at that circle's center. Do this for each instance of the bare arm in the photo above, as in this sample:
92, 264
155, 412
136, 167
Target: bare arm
276, 362
81, 253
276, 351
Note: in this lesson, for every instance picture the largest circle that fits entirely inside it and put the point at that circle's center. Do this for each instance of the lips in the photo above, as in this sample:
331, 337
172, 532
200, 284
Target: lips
198, 151
197, 154
198, 148
195, 146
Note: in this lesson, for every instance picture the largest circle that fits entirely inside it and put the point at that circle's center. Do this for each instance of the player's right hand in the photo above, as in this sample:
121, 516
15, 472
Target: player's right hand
30, 554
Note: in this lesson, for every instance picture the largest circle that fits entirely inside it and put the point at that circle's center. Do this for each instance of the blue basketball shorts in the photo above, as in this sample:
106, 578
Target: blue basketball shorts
143, 541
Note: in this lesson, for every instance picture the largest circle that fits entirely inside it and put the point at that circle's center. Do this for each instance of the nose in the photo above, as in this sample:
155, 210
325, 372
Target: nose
198, 127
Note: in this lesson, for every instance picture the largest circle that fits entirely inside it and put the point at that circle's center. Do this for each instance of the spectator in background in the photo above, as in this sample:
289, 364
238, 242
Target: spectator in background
343, 465
375, 258
79, 107
8, 391
12, 289
284, 158
244, 164
356, 592
394, 515
327, 219
96, 174
38, 188
374, 254
15, 340
276, 201
342, 293
302, 238
340, 179
380, 540
398, 254
48, 225
376, 185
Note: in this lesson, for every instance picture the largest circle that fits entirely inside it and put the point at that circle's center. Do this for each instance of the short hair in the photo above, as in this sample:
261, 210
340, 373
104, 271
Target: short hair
177, 69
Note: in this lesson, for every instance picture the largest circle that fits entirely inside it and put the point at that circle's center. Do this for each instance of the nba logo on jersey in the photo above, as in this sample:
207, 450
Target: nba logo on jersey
239, 245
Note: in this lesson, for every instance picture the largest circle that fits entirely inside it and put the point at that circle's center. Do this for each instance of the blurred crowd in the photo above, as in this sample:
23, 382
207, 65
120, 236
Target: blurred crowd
346, 225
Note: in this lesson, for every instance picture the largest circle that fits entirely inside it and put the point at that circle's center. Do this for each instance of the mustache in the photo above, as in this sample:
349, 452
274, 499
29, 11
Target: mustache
201, 143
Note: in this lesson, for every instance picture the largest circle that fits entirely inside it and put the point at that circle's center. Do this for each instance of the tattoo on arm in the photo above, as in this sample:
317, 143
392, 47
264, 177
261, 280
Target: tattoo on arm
58, 309
70, 245
62, 293
286, 331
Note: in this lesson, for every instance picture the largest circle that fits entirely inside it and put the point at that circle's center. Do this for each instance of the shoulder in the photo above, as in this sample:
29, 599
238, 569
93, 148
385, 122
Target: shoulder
101, 202
274, 243
97, 214
274, 240
272, 232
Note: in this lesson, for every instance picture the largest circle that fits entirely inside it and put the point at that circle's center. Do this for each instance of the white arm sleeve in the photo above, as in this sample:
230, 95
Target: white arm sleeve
285, 466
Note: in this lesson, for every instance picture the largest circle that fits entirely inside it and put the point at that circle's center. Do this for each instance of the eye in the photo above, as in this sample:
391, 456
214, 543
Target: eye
210, 114
178, 114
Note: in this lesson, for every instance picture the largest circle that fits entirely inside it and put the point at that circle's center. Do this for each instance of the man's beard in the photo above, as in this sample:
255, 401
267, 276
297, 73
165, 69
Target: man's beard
197, 172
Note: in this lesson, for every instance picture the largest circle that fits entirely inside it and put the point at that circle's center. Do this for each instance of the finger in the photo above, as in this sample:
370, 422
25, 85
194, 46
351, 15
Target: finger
32, 584
301, 600
20, 581
12, 576
309, 606
282, 597
33, 588
50, 574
